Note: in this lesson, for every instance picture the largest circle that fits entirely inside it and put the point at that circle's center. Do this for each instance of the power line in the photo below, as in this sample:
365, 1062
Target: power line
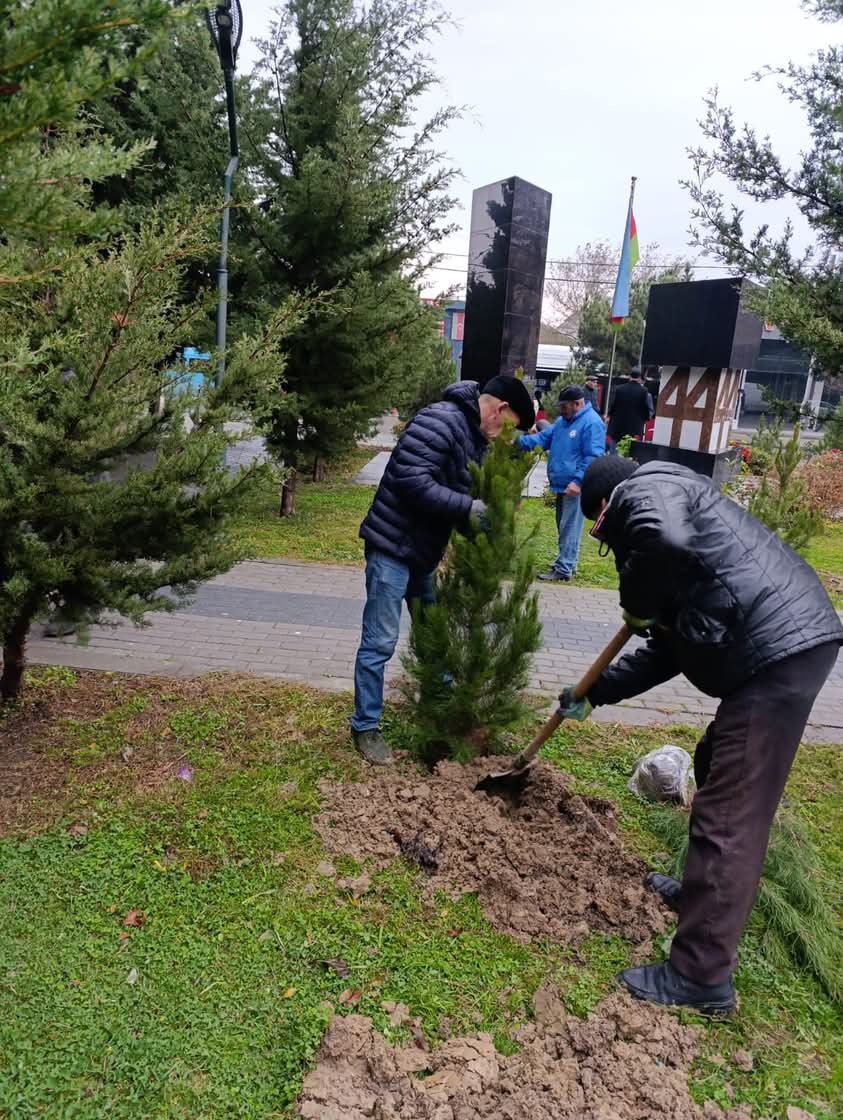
545, 278
677, 262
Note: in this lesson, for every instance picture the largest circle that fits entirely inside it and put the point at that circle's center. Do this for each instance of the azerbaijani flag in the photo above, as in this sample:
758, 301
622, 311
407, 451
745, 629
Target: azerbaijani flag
629, 259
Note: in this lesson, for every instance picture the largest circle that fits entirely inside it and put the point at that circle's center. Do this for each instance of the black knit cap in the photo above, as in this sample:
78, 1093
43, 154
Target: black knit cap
514, 392
572, 393
600, 479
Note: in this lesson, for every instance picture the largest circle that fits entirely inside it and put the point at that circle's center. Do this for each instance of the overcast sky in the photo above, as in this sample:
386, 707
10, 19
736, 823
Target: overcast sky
578, 95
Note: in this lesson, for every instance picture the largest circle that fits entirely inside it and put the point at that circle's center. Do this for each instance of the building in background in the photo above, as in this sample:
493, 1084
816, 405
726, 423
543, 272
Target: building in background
451, 326
550, 362
783, 372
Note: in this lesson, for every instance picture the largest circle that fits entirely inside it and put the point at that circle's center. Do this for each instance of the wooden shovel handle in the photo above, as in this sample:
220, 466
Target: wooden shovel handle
591, 676
581, 689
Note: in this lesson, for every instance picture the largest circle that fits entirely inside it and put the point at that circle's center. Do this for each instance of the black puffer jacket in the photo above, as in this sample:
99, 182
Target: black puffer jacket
728, 596
424, 492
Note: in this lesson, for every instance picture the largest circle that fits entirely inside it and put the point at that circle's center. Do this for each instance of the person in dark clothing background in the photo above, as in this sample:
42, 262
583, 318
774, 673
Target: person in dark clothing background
724, 601
592, 387
423, 495
630, 409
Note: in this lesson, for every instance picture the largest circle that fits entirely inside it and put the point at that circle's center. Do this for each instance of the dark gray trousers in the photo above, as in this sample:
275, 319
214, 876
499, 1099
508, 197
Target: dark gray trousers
741, 765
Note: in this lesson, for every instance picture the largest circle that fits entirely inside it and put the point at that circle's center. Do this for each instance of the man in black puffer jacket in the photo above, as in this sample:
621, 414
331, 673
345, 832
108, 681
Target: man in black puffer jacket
728, 604
423, 495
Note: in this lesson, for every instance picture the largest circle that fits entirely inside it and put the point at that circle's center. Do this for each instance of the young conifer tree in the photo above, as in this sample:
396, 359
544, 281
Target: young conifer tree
470, 653
106, 497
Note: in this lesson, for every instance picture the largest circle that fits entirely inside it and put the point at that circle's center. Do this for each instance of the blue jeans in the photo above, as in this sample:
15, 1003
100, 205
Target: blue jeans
569, 523
388, 584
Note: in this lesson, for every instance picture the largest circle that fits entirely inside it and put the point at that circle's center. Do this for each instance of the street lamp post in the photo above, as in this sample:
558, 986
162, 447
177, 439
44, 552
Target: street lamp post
226, 25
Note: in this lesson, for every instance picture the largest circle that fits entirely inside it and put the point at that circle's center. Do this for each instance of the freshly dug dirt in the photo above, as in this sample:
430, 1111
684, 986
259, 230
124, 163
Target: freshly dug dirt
628, 1061
549, 864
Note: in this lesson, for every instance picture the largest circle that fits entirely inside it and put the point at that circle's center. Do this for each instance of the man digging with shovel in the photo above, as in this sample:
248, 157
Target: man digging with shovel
724, 601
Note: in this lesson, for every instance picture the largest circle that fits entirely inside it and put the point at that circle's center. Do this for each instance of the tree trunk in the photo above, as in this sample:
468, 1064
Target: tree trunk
14, 659
288, 494
319, 469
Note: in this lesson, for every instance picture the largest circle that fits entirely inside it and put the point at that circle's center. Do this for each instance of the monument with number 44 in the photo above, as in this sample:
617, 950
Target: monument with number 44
703, 340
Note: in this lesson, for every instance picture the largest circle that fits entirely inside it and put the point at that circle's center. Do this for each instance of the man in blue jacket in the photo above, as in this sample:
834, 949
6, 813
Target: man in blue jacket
423, 495
574, 441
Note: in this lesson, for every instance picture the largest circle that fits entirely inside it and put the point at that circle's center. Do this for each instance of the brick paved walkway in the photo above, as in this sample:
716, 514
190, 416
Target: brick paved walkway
302, 622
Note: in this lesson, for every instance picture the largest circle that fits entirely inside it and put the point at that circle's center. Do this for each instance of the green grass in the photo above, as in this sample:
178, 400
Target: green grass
325, 530
325, 526
593, 570
230, 985
825, 553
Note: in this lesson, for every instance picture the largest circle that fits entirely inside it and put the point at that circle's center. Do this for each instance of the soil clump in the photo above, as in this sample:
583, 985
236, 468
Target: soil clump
548, 865
627, 1061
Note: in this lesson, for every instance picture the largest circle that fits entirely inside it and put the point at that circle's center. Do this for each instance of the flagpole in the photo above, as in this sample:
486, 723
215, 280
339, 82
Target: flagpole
611, 370
632, 182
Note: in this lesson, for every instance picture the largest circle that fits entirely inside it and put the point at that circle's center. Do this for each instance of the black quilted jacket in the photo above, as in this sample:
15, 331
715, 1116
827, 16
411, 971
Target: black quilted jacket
424, 492
728, 596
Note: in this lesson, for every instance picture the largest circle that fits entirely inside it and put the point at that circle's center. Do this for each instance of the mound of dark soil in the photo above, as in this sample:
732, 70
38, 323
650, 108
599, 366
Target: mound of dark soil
547, 864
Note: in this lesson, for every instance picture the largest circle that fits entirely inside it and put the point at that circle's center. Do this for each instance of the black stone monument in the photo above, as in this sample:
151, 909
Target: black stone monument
506, 259
702, 338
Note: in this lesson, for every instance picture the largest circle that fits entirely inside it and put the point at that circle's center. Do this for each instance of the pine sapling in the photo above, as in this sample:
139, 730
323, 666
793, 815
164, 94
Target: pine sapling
470, 653
778, 502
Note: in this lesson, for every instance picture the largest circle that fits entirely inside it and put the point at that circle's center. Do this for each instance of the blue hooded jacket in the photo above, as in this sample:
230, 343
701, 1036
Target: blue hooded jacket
573, 445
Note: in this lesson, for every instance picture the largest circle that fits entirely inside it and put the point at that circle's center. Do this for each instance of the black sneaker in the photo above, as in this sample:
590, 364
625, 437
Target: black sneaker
372, 746
661, 983
669, 889
552, 576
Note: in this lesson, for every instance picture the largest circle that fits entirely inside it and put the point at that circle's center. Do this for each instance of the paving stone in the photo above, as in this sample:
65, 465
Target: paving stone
301, 622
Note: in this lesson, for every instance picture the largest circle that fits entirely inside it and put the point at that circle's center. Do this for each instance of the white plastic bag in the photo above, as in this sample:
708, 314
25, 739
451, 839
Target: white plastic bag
664, 774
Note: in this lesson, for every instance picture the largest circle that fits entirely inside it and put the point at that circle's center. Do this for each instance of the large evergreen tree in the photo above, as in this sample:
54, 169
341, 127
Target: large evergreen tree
176, 105
81, 358
802, 292
57, 56
86, 328
353, 194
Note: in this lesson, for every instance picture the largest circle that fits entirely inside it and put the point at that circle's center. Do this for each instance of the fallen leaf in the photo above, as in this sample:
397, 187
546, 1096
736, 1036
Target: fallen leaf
454, 932
278, 858
158, 865
202, 814
78, 829
326, 869
416, 1032
124, 935
132, 978
290, 992
794, 1113
337, 965
267, 935
165, 732
396, 1012
357, 886
350, 997
744, 1060
135, 918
